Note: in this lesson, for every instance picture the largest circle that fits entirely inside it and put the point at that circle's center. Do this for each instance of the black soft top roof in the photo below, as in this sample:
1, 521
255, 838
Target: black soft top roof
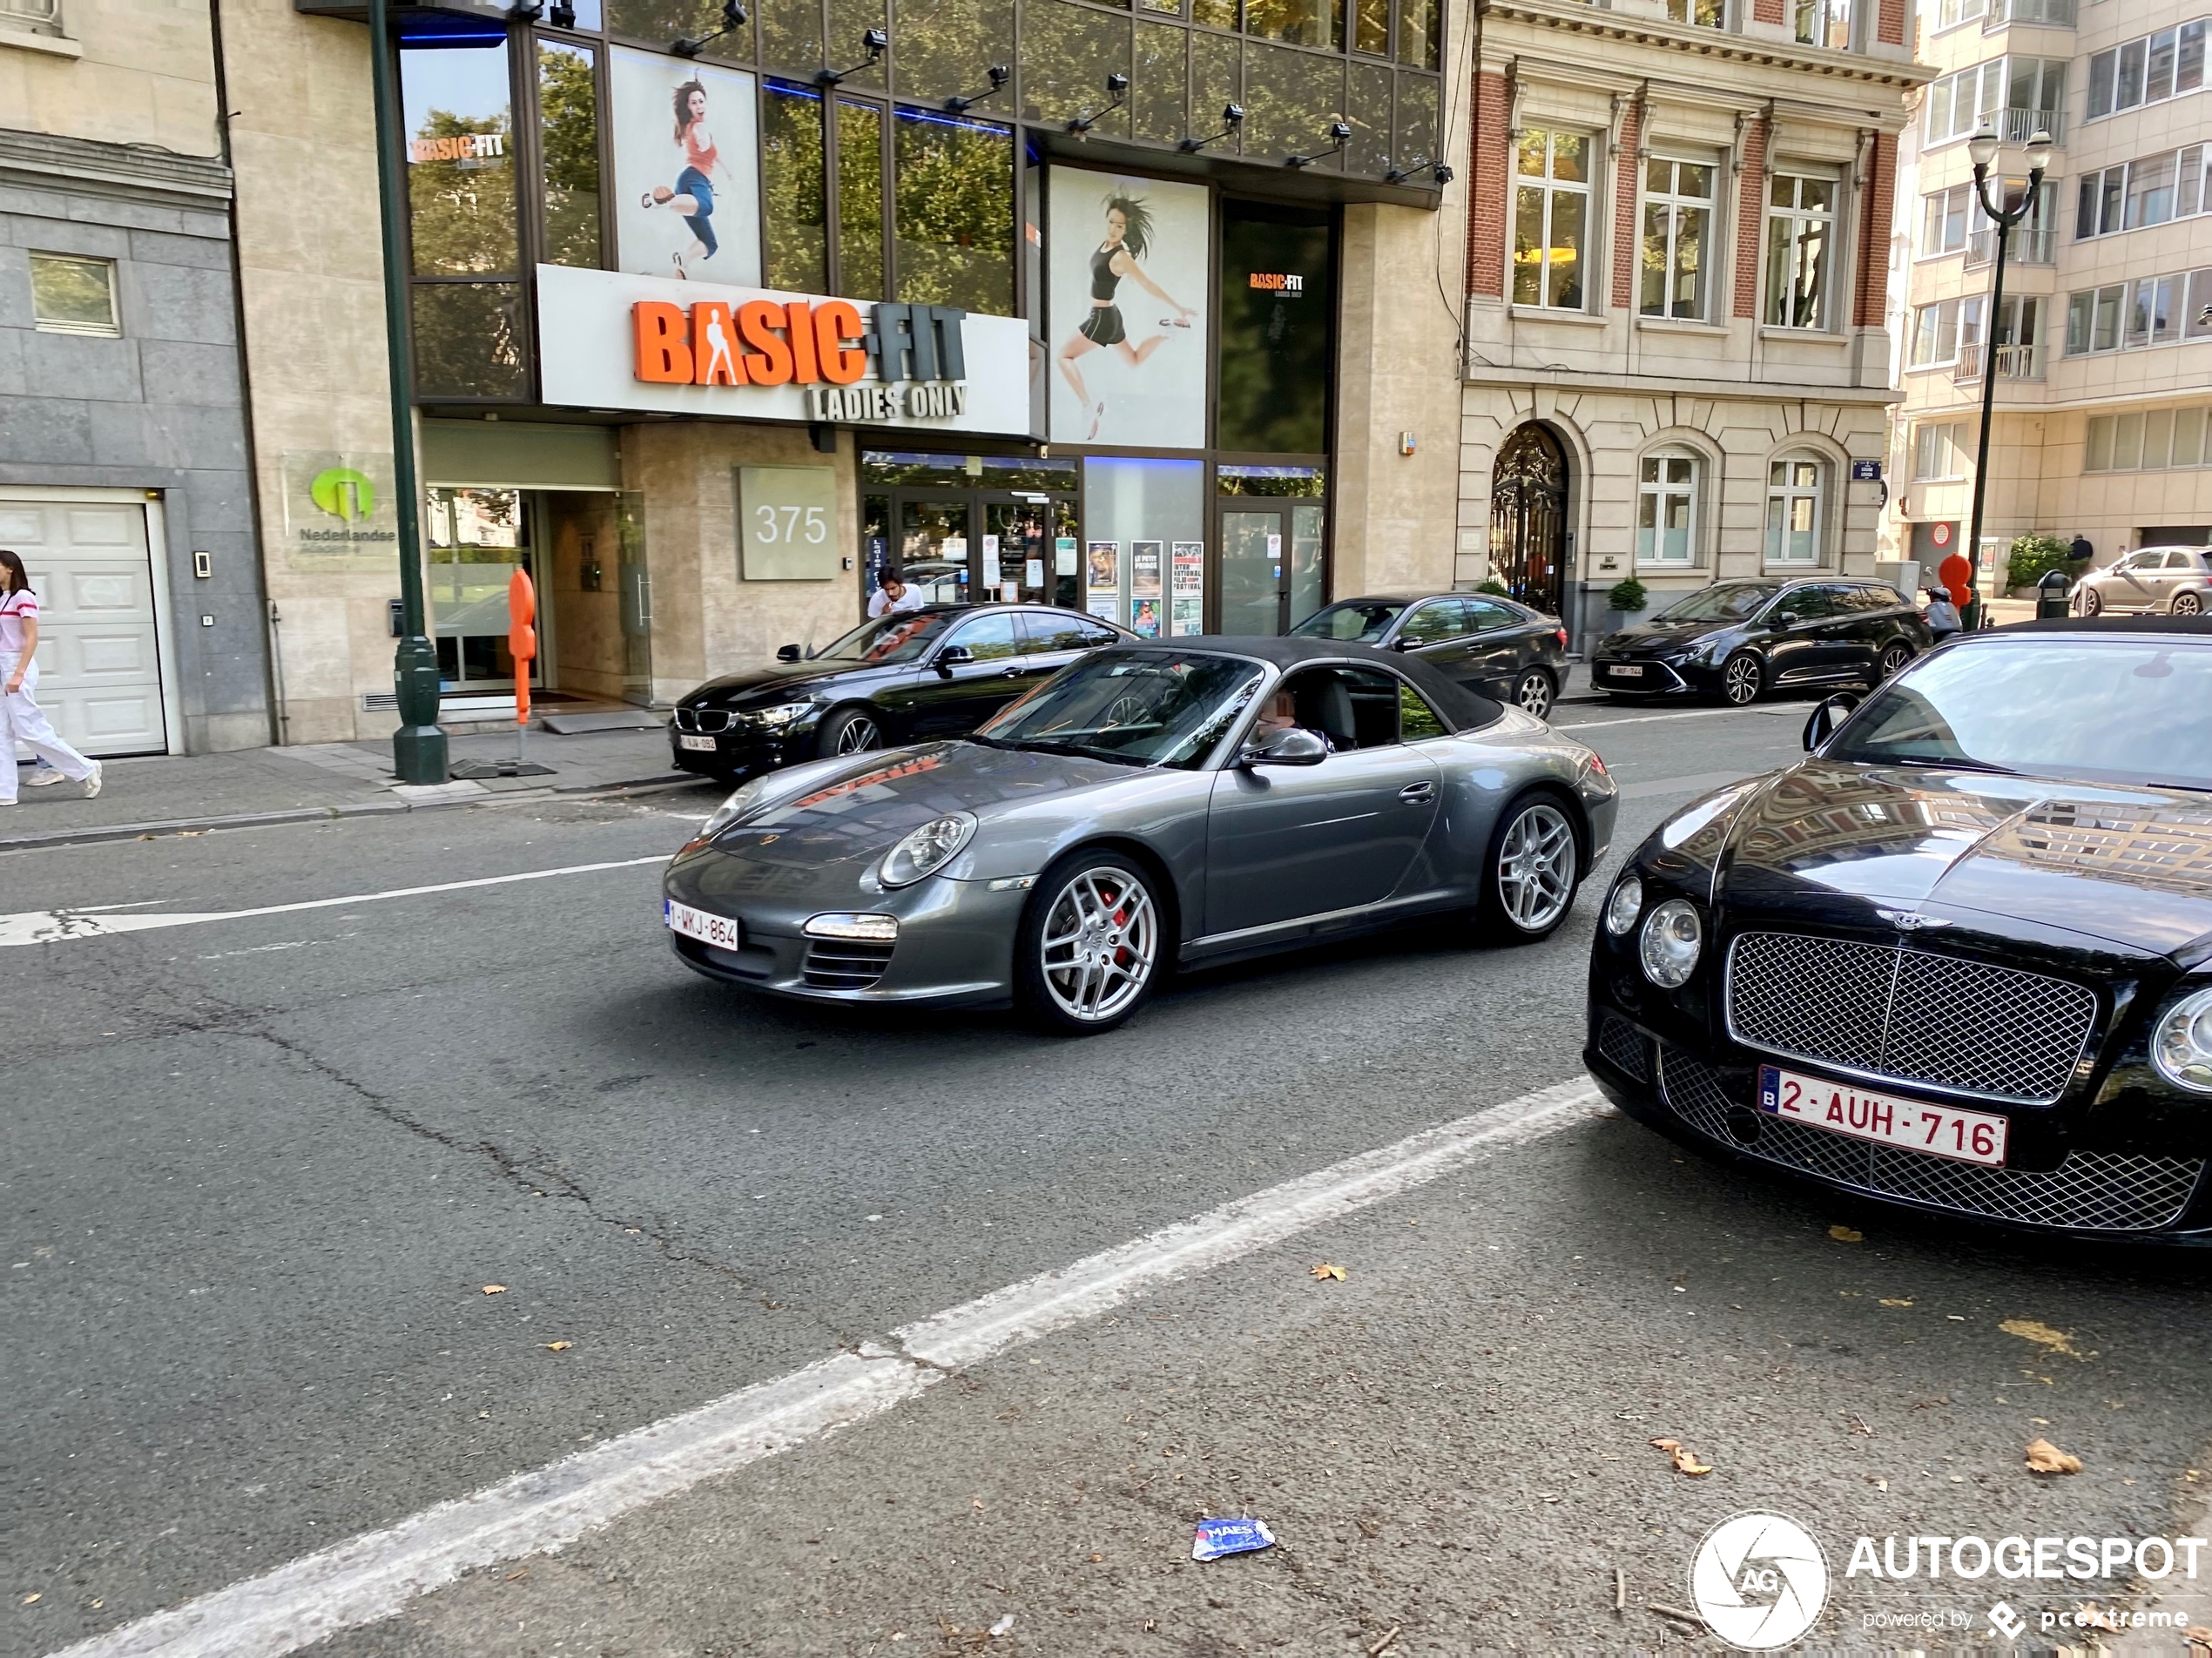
1465, 709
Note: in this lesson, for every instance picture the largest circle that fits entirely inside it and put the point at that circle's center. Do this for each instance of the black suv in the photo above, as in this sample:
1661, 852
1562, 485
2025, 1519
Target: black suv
1492, 645
1741, 639
941, 671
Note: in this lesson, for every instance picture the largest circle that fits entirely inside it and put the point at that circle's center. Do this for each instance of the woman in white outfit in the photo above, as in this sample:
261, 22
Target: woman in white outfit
21, 719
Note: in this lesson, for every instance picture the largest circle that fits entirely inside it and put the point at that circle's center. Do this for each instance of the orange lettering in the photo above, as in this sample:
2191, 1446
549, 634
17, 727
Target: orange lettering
800, 326
714, 345
835, 323
758, 320
663, 356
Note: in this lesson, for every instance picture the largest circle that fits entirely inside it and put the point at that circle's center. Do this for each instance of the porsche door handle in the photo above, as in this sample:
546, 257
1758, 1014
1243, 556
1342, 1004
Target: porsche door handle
1418, 794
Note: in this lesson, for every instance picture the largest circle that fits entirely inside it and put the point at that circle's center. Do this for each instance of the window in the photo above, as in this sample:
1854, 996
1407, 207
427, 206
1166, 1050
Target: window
1939, 451
1793, 493
72, 295
1678, 229
794, 215
1943, 219
1667, 509
1433, 622
1800, 227
1951, 12
1706, 14
567, 141
2093, 319
1823, 23
1551, 217
2037, 86
1961, 104
2147, 70
2150, 190
991, 638
2148, 441
1945, 332
43, 16
1416, 719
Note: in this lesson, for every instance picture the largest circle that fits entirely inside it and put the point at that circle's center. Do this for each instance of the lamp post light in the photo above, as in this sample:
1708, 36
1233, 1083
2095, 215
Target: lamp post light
419, 745
1983, 148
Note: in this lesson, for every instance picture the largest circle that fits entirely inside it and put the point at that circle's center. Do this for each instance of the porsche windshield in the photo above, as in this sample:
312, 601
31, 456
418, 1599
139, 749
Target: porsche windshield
899, 636
1729, 602
1149, 708
2119, 711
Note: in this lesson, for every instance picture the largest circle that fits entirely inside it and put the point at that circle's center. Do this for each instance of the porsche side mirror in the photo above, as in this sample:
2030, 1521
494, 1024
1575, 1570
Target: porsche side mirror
1831, 713
954, 656
788, 653
1294, 745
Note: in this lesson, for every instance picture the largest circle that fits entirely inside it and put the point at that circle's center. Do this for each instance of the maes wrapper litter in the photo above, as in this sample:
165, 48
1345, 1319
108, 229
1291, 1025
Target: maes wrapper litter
1218, 1537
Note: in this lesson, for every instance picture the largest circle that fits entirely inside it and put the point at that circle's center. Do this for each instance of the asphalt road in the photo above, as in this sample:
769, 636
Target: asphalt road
259, 1171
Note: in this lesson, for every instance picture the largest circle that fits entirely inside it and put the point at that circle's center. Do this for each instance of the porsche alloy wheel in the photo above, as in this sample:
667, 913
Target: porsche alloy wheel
1534, 693
1093, 944
1742, 679
1533, 868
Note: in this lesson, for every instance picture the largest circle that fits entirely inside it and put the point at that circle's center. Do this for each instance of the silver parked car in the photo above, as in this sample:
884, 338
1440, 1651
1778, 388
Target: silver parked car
2172, 580
1148, 806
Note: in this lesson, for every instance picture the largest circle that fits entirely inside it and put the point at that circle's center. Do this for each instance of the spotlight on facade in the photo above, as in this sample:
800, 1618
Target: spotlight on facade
999, 74
875, 42
1118, 89
734, 18
1339, 130
1232, 117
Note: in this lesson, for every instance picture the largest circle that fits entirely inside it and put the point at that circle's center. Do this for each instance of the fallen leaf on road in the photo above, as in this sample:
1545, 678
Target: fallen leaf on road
1897, 1301
2045, 1457
1879, 1484
1847, 1234
517, 1575
2042, 1335
30, 1599
1325, 1270
557, 1346
495, 1289
1685, 1460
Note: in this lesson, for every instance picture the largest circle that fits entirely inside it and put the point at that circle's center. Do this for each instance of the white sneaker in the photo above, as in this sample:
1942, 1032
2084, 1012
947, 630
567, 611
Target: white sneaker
42, 776
92, 783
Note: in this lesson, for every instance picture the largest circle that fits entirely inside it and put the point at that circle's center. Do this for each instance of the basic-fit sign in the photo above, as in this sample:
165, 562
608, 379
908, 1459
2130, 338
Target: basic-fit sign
787, 523
621, 341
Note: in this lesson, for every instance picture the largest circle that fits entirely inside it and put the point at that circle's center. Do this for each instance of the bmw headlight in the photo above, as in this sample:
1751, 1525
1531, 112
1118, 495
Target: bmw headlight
2181, 1046
775, 718
1622, 908
1670, 944
927, 850
733, 808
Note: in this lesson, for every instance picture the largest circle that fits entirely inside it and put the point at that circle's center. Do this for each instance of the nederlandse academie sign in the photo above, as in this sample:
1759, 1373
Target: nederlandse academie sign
610, 341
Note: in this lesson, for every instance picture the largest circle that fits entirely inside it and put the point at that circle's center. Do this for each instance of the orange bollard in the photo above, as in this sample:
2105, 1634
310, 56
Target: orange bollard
521, 644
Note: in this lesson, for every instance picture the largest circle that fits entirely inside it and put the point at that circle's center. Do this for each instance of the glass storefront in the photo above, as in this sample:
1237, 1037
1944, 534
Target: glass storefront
967, 529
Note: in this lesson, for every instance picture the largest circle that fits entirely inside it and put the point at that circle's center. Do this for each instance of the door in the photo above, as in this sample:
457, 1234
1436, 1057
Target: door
478, 539
99, 661
1505, 642
2134, 583
1253, 544
1018, 545
949, 699
1438, 633
1529, 517
934, 547
1823, 641
1286, 842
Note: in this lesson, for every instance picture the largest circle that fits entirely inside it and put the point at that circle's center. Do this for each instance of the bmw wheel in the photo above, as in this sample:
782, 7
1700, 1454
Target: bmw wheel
1743, 677
849, 730
2187, 605
1534, 693
1534, 866
1089, 949
1893, 660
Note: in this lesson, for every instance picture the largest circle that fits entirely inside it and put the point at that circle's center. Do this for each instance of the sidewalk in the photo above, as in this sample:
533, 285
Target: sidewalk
166, 793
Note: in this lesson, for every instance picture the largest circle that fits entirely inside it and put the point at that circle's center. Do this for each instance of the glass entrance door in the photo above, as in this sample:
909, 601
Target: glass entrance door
1253, 543
934, 542
1019, 549
478, 539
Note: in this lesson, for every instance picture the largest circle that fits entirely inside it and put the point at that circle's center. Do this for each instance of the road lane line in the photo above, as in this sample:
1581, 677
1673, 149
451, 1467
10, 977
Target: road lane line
373, 1576
66, 927
1686, 714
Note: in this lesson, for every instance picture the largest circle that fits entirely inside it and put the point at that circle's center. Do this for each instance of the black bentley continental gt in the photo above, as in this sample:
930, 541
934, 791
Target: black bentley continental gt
1960, 957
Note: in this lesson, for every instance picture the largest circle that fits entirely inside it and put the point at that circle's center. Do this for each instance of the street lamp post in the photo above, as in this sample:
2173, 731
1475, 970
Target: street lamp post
1983, 148
419, 745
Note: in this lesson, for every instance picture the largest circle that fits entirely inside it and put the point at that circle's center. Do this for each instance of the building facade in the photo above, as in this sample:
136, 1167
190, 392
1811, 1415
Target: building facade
1677, 350
124, 471
2104, 336
718, 313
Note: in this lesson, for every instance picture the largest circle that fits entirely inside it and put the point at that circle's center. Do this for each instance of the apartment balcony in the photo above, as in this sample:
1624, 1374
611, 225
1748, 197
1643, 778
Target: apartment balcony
2013, 362
2050, 14
2027, 245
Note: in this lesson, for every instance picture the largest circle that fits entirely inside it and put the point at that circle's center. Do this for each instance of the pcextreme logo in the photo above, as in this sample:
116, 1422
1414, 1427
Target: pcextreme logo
346, 495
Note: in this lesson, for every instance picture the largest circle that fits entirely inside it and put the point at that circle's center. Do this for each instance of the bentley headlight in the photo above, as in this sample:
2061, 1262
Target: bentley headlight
775, 718
1622, 908
1670, 944
927, 850
733, 808
2181, 1046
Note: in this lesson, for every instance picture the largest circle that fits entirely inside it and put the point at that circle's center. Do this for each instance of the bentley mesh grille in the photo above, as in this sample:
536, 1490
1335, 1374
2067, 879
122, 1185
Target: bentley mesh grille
1887, 1011
2091, 1190
1624, 1045
840, 964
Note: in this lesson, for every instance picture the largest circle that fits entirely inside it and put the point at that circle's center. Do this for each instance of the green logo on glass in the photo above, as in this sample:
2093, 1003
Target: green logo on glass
344, 494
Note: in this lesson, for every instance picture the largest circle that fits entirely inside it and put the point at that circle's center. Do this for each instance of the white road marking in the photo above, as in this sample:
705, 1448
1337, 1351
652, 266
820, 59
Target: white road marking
374, 1575
64, 927
1686, 714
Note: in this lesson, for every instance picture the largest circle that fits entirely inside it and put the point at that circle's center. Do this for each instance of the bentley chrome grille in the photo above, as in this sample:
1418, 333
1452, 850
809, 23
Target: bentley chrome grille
2090, 1190
1909, 1015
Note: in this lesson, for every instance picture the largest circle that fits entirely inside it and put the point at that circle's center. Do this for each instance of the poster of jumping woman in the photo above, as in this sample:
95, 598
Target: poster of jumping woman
1128, 310
686, 182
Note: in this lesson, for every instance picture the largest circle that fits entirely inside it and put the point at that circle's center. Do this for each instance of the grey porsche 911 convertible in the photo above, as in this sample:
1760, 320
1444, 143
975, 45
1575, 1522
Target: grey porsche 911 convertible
1149, 806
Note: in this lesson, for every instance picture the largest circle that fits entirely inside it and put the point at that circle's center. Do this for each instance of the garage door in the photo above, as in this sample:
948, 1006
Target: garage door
99, 665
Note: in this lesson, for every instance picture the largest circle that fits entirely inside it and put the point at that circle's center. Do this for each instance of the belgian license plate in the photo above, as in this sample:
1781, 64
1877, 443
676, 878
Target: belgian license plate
723, 931
703, 744
1623, 670
1886, 1119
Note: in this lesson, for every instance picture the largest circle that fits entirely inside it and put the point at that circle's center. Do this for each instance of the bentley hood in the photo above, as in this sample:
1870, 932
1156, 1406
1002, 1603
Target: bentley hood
2130, 866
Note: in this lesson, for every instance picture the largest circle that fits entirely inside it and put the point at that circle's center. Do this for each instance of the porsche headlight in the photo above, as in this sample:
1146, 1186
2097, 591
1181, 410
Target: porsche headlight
2181, 1046
1622, 908
927, 850
733, 808
775, 718
1670, 944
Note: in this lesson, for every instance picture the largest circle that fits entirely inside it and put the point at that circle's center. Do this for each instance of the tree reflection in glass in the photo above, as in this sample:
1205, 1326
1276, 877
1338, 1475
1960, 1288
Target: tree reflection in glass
955, 206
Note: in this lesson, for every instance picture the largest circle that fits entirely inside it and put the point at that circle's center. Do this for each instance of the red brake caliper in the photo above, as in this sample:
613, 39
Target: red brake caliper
1121, 919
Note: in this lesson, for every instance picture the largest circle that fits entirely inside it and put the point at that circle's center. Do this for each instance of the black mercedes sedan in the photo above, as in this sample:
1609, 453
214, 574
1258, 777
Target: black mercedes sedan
1489, 644
1960, 957
1739, 640
940, 670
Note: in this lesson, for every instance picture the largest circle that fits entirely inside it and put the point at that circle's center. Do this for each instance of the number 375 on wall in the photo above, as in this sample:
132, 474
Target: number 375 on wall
787, 523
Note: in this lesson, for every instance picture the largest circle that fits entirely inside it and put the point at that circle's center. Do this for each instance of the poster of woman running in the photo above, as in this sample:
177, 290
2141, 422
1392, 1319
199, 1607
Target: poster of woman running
1128, 290
686, 173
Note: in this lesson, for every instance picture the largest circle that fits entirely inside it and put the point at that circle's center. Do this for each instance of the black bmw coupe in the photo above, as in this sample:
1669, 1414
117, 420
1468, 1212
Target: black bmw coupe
1960, 956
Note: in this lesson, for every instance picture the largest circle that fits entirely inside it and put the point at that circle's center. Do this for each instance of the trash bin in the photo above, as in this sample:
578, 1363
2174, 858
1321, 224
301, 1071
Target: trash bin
2050, 599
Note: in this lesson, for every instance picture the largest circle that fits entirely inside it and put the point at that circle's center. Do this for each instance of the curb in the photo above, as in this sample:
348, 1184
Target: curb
94, 833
